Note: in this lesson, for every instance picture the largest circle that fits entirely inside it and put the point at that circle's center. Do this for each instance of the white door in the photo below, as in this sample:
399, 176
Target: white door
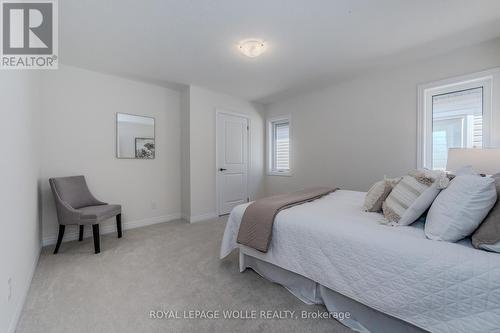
232, 161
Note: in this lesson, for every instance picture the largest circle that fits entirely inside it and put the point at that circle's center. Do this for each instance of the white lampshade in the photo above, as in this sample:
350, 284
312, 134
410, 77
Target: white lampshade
485, 161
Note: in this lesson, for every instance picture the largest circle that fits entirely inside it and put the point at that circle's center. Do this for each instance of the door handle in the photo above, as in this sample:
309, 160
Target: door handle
222, 169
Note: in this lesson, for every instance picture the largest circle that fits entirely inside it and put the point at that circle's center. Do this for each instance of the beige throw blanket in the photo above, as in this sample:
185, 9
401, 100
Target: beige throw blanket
257, 223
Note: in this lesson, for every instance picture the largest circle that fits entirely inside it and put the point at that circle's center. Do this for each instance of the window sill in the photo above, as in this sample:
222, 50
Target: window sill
277, 173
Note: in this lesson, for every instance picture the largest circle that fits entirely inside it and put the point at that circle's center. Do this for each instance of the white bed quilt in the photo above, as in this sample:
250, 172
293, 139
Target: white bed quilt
438, 286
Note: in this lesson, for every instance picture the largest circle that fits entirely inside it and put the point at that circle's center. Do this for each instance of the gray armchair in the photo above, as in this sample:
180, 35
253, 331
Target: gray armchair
76, 205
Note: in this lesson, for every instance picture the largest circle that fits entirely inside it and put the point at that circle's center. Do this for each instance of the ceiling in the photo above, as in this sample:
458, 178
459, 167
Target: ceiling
310, 42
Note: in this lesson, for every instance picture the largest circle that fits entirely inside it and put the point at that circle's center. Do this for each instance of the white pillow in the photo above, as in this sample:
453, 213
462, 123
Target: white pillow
460, 209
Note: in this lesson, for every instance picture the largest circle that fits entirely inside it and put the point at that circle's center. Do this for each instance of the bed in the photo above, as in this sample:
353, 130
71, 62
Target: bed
393, 278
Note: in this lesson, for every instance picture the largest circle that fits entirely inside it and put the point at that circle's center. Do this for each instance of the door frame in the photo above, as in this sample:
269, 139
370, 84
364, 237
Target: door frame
220, 111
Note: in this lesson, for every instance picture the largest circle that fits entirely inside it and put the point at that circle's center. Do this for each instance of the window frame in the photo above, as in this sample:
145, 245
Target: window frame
271, 143
483, 79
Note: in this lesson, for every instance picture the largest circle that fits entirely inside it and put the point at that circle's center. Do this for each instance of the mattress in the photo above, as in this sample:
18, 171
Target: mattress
437, 286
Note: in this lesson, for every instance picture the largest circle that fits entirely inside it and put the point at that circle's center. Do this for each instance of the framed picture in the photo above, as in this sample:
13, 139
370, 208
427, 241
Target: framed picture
145, 148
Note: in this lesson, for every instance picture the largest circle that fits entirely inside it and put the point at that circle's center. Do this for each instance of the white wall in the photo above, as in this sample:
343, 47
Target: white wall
203, 104
19, 167
353, 133
79, 131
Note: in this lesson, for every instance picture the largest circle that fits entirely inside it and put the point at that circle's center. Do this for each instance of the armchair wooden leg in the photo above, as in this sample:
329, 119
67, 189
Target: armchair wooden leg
119, 225
95, 231
80, 234
59, 237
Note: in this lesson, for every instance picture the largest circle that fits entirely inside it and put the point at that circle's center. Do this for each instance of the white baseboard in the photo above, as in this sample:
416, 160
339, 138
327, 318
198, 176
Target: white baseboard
19, 306
110, 228
202, 217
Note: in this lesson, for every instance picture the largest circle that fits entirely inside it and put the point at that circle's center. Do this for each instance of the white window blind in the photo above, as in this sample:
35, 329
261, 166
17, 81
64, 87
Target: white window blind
281, 146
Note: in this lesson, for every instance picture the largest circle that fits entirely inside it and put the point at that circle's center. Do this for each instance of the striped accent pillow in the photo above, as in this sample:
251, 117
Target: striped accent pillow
377, 194
412, 196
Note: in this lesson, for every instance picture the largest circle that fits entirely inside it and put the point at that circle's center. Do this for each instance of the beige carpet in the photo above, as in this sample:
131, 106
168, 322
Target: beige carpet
171, 266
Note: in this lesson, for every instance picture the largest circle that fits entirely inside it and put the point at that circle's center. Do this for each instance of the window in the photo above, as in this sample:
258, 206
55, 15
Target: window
457, 122
279, 146
454, 113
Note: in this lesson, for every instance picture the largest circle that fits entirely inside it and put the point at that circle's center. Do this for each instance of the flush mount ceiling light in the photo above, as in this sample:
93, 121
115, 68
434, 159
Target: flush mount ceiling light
252, 47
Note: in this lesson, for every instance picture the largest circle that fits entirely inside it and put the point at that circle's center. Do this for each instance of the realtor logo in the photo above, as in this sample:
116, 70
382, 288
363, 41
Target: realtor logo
29, 34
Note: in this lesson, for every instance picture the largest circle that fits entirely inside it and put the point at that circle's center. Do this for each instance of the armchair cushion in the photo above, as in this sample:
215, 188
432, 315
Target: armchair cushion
93, 214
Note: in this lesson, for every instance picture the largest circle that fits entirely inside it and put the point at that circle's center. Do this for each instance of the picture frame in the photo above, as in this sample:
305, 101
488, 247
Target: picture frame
145, 148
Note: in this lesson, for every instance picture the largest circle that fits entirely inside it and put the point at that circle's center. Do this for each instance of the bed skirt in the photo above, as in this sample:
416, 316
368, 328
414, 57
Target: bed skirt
362, 318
